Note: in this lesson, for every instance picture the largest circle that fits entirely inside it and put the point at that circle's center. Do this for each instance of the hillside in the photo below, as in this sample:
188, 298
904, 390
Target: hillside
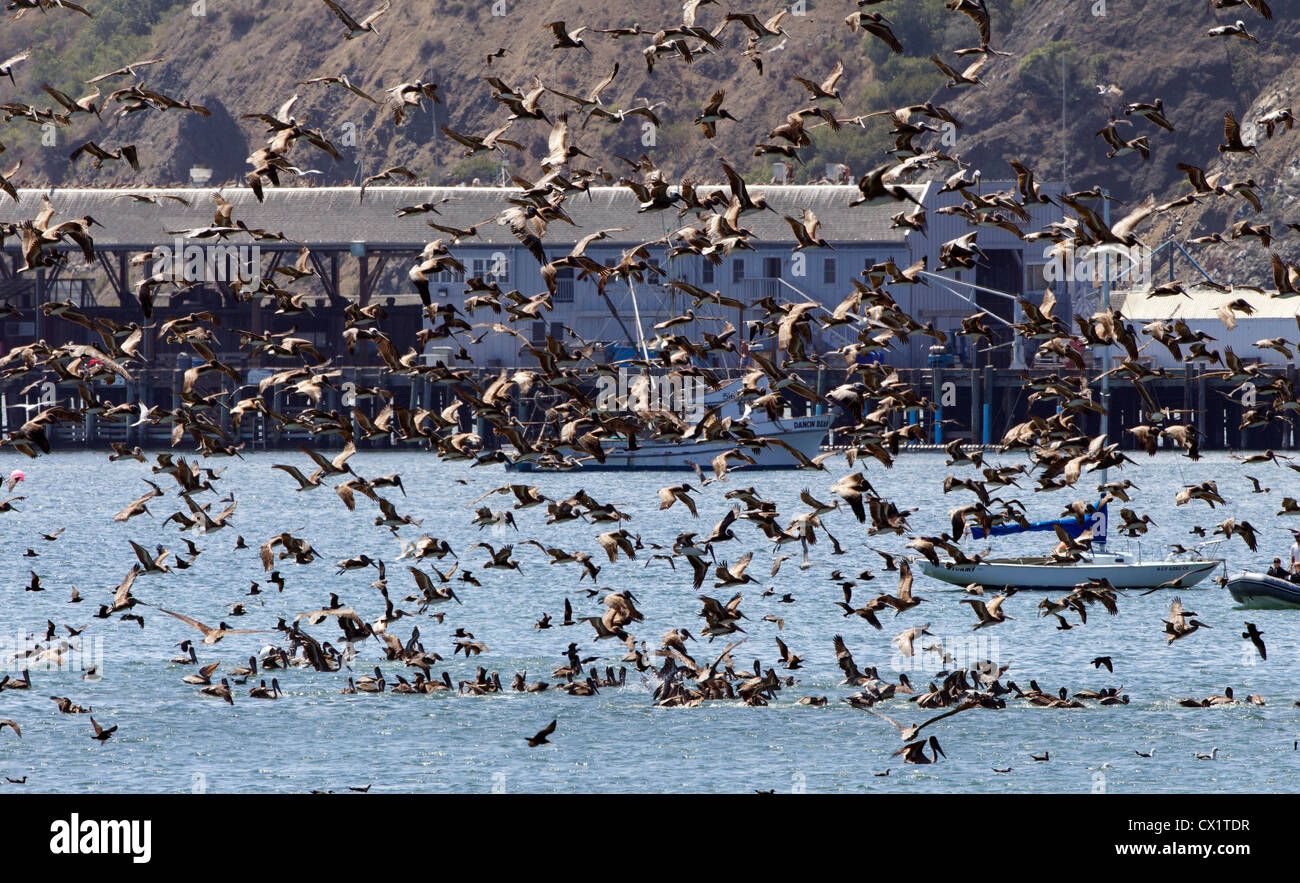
246, 57
1148, 54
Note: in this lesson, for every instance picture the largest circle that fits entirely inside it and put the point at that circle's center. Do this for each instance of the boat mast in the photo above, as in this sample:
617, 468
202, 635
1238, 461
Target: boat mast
1105, 352
613, 311
636, 315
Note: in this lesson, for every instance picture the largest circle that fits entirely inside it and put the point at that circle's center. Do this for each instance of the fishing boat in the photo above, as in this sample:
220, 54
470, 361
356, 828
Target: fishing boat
1121, 570
1261, 591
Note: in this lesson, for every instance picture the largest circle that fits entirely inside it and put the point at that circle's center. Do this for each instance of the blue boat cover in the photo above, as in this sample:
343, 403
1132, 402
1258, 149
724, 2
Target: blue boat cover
1096, 520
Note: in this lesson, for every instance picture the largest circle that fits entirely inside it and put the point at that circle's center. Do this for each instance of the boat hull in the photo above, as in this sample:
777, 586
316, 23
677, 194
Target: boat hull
1263, 592
1032, 574
804, 434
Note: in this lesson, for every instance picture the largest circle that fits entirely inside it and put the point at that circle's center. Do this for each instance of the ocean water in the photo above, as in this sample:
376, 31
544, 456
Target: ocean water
172, 739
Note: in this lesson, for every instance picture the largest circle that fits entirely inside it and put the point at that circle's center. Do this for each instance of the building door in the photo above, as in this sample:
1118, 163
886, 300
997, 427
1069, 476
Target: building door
1004, 271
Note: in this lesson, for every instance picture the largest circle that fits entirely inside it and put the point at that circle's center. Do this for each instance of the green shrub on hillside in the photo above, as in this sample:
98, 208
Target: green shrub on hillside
1040, 69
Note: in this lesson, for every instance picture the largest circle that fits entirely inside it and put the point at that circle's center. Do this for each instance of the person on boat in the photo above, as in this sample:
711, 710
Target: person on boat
1295, 555
1277, 570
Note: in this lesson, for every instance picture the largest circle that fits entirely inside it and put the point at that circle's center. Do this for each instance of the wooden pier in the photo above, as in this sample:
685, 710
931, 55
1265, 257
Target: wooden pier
975, 406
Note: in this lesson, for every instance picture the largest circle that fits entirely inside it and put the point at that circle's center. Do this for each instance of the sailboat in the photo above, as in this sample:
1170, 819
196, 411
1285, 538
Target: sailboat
803, 434
1123, 571
796, 439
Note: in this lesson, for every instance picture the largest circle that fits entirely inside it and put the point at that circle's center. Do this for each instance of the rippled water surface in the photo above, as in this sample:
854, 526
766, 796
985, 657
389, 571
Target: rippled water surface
172, 739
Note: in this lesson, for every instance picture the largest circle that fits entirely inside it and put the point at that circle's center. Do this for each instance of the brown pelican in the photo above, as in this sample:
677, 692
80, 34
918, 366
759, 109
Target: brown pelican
261, 691
219, 691
540, 738
357, 28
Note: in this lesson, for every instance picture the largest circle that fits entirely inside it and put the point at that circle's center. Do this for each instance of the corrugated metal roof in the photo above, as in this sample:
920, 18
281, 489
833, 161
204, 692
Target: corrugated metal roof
1273, 317
1201, 303
334, 216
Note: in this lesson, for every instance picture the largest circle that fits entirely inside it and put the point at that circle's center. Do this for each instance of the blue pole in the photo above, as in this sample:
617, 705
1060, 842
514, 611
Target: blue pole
936, 393
989, 389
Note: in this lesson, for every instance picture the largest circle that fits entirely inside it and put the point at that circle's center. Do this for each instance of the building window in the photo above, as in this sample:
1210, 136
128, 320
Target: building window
539, 332
494, 268
828, 271
771, 268
1035, 277
706, 272
564, 285
737, 270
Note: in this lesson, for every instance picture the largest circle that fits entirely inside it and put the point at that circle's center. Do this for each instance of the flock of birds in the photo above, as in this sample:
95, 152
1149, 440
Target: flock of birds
871, 396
